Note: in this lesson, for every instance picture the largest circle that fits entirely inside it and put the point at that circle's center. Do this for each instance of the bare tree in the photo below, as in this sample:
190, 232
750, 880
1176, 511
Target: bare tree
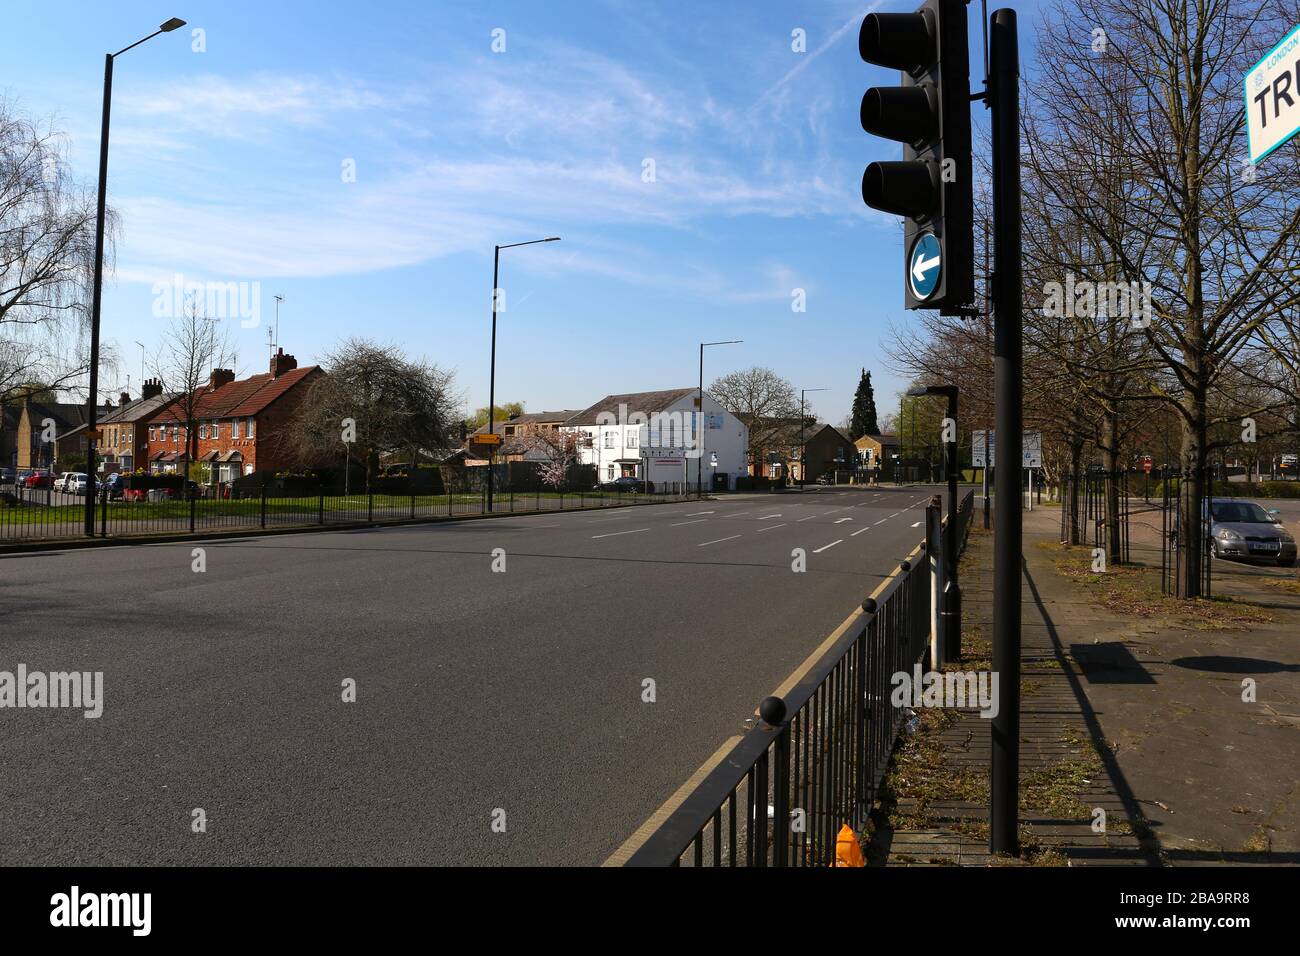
1216, 241
47, 246
193, 347
382, 401
764, 401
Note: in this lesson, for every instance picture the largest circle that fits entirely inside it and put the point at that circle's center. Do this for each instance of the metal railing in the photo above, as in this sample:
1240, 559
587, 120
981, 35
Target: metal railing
39, 514
817, 759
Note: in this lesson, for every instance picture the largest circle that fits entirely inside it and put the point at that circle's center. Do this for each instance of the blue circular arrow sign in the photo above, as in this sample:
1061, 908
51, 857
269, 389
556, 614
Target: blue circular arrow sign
924, 266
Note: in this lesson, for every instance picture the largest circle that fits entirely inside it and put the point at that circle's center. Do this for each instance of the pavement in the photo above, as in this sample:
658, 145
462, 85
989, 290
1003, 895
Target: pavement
1140, 712
515, 698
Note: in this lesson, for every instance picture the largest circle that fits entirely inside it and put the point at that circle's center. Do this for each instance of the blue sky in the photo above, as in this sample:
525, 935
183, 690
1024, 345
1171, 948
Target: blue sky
227, 165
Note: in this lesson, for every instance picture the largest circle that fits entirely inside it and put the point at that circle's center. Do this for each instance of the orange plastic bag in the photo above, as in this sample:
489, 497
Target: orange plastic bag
847, 850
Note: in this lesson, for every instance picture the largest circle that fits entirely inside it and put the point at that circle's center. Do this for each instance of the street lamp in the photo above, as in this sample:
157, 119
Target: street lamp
803, 448
492, 384
93, 400
699, 401
951, 607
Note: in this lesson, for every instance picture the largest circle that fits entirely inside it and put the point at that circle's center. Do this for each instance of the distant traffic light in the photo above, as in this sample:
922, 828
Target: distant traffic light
930, 115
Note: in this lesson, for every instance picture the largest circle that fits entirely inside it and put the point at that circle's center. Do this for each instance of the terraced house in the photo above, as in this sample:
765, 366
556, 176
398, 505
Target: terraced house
239, 423
124, 441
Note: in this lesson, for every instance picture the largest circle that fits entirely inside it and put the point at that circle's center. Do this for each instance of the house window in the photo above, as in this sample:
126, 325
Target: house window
609, 443
234, 428
631, 439
609, 472
248, 428
152, 435
216, 430
203, 431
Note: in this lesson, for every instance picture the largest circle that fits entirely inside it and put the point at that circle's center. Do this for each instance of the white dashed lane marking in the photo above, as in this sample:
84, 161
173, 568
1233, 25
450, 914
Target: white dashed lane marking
613, 534
717, 541
824, 547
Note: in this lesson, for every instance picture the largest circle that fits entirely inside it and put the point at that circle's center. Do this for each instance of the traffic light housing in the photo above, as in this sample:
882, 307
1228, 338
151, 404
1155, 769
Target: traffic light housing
930, 115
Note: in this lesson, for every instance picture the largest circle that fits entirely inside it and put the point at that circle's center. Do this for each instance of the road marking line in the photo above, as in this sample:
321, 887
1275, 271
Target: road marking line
656, 819
694, 513
769, 527
614, 534
809, 518
717, 540
680, 523
916, 524
765, 517
842, 520
882, 521
856, 533
825, 547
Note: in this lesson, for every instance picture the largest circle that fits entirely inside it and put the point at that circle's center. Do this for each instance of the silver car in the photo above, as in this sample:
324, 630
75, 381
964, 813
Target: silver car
1243, 529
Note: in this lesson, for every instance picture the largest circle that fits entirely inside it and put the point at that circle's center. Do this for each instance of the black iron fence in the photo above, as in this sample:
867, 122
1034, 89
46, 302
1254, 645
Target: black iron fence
780, 796
1184, 518
34, 514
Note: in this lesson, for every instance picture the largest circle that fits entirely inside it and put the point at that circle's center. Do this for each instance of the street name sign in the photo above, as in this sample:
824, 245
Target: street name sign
1272, 90
487, 439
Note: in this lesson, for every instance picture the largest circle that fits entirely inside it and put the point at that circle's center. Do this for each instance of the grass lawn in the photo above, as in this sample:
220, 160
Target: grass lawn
120, 513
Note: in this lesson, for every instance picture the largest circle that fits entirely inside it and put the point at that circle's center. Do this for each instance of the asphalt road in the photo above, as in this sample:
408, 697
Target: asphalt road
476, 691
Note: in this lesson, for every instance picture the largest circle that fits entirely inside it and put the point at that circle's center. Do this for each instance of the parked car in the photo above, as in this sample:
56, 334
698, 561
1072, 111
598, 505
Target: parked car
829, 479
627, 483
39, 479
77, 484
115, 485
1244, 529
7, 476
69, 481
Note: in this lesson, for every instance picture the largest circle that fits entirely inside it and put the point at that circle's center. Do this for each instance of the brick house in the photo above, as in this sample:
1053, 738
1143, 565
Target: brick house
123, 434
878, 454
69, 420
513, 431
827, 451
239, 422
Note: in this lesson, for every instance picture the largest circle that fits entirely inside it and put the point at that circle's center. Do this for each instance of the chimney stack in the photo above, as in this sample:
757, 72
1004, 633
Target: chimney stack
152, 388
123, 399
220, 377
281, 363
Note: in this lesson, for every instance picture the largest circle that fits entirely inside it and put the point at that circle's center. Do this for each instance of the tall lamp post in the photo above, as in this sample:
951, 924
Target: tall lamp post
950, 609
96, 295
803, 448
492, 384
699, 403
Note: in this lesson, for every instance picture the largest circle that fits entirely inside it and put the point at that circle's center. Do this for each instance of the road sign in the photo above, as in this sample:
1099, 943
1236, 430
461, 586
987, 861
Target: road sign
93, 434
487, 439
1031, 448
1146, 464
1272, 103
924, 266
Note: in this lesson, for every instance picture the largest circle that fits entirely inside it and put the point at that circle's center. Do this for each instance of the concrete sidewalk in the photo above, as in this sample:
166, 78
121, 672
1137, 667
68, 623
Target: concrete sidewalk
1132, 704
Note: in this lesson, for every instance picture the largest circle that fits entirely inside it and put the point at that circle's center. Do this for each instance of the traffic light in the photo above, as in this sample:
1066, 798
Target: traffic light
930, 115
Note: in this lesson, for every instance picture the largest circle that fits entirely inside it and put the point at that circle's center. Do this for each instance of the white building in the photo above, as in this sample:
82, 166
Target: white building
657, 435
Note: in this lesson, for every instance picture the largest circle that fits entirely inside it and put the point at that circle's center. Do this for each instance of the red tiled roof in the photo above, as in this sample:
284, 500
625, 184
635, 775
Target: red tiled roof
248, 396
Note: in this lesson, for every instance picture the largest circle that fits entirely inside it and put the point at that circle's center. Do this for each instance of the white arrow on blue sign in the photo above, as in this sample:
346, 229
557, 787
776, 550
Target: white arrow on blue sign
924, 266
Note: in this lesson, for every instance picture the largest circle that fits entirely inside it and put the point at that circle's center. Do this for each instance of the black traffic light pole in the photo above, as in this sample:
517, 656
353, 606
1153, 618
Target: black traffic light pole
1004, 93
